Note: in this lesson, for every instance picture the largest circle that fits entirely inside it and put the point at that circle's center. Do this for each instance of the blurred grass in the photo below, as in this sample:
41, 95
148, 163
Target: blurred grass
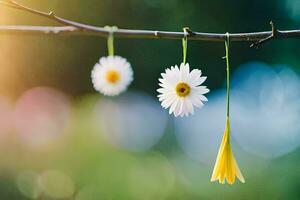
99, 170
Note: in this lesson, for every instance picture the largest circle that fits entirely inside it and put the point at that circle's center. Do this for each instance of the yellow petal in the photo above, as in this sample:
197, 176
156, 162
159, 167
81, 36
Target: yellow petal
226, 166
239, 174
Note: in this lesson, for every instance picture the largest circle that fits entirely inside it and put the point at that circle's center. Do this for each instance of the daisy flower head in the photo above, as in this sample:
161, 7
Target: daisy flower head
181, 90
112, 75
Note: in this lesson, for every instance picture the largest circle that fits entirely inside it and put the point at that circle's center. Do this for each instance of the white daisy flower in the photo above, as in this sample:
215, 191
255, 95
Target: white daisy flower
112, 75
181, 91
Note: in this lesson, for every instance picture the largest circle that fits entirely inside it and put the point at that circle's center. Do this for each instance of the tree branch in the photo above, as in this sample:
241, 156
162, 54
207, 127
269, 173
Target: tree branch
75, 28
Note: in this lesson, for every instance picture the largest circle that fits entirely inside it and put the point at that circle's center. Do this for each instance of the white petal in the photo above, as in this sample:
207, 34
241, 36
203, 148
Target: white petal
196, 100
203, 98
178, 108
198, 81
173, 106
184, 109
162, 90
168, 102
201, 90
190, 107
184, 72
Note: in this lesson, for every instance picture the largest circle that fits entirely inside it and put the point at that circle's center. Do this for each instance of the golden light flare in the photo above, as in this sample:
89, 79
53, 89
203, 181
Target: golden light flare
8, 49
15, 49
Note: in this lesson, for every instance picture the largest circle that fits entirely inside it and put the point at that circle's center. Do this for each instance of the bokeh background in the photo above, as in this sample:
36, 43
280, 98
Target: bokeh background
59, 139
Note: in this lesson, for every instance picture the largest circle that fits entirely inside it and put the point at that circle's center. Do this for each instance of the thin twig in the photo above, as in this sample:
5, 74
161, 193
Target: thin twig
75, 28
275, 34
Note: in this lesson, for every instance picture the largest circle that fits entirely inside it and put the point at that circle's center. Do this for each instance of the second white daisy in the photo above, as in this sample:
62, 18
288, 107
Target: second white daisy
112, 75
180, 90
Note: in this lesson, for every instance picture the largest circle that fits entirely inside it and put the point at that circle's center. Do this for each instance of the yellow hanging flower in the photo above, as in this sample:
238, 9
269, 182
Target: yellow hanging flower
226, 166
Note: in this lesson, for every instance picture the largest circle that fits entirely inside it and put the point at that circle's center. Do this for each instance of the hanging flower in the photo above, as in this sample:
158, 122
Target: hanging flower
112, 75
181, 91
226, 166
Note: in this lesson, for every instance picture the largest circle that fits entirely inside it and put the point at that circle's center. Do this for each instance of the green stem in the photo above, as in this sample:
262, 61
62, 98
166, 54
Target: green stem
184, 45
110, 44
227, 74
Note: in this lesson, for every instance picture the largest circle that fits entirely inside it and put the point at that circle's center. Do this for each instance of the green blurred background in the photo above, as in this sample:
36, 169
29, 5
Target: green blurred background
49, 76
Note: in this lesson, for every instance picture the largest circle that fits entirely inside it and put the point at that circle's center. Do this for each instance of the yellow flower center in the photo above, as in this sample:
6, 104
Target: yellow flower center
183, 89
112, 76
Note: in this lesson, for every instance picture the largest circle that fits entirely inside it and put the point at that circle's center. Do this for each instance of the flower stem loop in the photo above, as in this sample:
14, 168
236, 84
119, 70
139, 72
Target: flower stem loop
184, 43
110, 39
